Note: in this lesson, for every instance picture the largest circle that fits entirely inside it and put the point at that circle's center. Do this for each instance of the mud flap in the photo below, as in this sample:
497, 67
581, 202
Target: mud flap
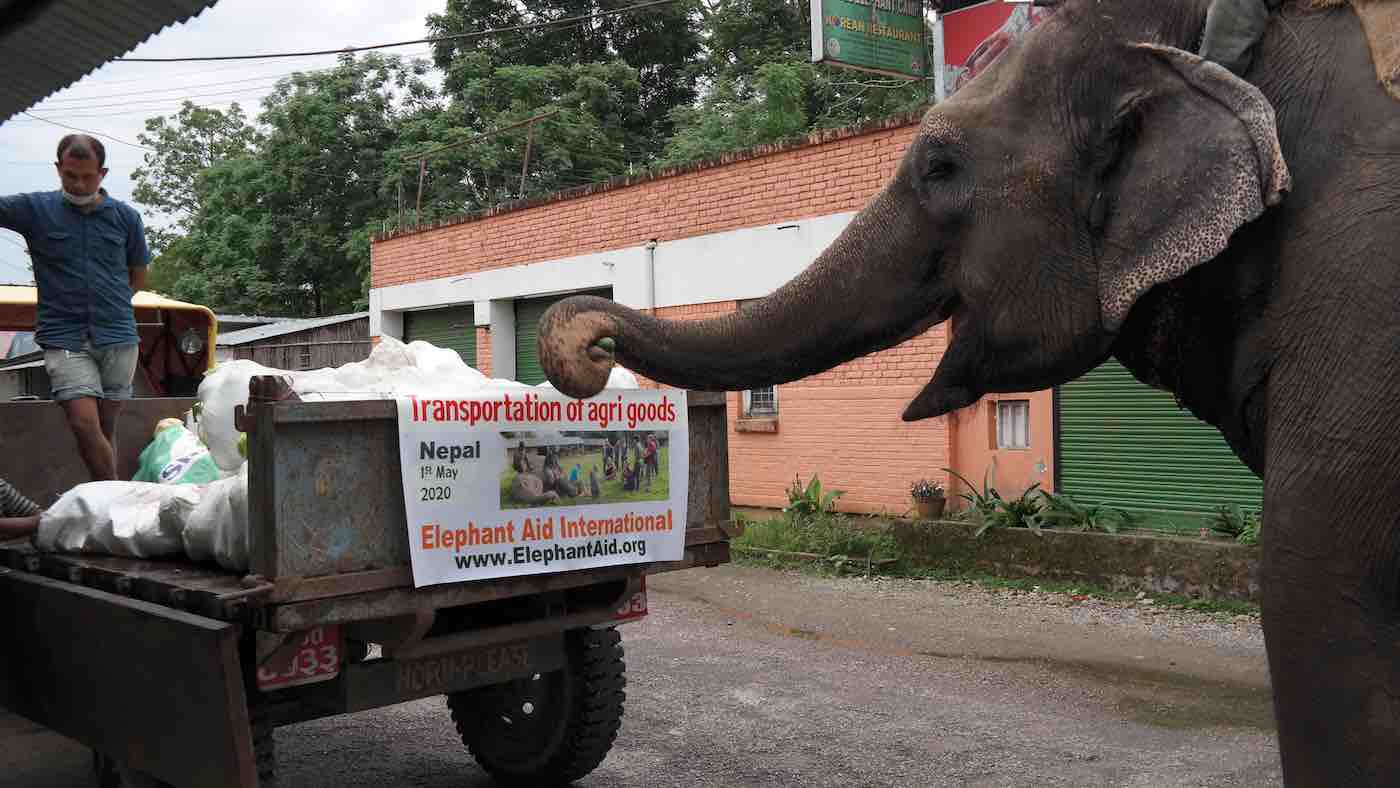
150, 686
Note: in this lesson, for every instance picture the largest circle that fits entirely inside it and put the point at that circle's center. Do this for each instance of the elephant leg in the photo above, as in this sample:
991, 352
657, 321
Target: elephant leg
1333, 640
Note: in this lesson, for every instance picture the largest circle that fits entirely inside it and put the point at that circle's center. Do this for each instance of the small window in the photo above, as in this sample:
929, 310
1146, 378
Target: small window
305, 357
761, 403
1013, 424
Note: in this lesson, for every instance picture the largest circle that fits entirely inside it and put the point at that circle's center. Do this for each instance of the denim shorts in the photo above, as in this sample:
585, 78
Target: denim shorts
101, 372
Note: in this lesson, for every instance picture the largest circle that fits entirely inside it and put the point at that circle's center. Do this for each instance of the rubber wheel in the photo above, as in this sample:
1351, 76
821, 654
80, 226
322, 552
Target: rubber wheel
550, 728
111, 774
264, 747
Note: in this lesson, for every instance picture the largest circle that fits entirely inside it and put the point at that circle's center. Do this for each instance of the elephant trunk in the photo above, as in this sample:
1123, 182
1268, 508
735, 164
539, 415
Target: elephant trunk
875, 286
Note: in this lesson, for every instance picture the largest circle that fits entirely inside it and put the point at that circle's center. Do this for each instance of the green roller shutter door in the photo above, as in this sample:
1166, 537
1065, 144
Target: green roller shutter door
528, 312
1124, 443
453, 327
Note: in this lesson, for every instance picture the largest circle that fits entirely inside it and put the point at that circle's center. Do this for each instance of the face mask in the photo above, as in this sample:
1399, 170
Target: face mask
80, 199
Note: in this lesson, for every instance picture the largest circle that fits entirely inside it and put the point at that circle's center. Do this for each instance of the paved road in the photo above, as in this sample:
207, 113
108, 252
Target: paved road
744, 676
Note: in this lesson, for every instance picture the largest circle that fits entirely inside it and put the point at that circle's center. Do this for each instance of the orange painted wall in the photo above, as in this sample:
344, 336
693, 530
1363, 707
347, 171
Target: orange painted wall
1010, 471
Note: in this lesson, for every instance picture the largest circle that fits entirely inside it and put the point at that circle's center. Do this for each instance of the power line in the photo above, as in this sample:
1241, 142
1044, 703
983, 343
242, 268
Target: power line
85, 131
273, 80
274, 77
160, 102
433, 40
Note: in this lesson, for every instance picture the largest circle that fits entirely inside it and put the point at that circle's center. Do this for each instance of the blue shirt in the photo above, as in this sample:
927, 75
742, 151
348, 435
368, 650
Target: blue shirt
80, 266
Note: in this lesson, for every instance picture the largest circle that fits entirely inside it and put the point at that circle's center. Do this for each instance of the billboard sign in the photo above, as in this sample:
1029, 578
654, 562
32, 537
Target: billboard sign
530, 481
973, 37
880, 36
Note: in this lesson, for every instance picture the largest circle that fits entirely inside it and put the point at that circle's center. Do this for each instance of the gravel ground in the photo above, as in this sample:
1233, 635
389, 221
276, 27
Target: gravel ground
746, 676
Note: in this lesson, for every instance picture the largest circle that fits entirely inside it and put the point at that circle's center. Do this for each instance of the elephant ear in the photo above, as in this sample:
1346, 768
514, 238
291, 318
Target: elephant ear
1206, 160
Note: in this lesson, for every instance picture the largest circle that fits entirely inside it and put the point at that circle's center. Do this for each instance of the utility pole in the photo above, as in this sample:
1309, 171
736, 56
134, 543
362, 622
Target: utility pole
525, 167
418, 209
425, 155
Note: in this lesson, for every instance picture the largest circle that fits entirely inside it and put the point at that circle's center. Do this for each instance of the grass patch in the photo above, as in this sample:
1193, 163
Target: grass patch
840, 544
835, 541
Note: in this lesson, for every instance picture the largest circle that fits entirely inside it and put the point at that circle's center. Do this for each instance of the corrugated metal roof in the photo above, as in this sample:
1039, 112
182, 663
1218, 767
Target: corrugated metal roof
47, 46
249, 318
247, 335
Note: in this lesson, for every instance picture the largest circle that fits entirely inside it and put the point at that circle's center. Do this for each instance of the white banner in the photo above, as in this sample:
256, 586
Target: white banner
530, 481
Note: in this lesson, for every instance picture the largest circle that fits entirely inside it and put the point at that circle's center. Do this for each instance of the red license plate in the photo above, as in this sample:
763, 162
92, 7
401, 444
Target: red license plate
635, 606
306, 658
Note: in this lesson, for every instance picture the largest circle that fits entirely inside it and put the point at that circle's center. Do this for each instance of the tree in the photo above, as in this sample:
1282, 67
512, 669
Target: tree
762, 86
183, 147
660, 45
276, 227
588, 139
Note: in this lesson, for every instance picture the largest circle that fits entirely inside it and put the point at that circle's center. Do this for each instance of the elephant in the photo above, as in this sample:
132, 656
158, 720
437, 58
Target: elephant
528, 488
564, 487
1100, 191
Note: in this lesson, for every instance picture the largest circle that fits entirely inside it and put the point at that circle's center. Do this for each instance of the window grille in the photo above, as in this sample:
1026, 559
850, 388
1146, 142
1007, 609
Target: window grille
761, 402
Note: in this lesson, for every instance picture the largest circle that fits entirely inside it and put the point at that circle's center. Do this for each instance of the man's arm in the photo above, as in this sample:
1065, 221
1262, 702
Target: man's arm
18, 527
138, 254
16, 213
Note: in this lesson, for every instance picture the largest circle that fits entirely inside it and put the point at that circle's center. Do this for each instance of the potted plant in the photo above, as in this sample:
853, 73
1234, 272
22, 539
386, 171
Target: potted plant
928, 499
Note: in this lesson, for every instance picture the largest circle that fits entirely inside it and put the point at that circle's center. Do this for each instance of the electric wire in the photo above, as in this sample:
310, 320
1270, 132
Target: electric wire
431, 40
85, 131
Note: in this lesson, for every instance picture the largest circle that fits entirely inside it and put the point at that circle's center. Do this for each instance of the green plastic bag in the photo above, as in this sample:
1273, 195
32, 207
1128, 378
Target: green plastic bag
176, 456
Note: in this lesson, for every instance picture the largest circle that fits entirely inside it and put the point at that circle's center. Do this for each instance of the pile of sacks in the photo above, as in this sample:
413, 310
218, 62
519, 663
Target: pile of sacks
190, 496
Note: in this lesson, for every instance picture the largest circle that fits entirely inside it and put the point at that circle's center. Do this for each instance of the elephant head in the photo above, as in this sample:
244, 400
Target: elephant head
1093, 160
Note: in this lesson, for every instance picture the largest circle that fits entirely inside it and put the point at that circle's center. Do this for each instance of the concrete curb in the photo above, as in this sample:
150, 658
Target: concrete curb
1162, 564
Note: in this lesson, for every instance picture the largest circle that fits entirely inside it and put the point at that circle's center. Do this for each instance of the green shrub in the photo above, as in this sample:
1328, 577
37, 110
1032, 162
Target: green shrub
810, 500
1252, 523
990, 510
1061, 511
1228, 520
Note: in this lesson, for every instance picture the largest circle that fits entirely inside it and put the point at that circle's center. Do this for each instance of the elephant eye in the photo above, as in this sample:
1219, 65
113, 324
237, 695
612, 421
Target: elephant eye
938, 169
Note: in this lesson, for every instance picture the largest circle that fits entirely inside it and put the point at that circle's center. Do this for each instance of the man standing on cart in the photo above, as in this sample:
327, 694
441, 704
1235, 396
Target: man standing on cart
90, 256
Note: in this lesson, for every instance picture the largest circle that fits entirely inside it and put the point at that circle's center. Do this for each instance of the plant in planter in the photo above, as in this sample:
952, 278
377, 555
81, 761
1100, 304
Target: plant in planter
929, 499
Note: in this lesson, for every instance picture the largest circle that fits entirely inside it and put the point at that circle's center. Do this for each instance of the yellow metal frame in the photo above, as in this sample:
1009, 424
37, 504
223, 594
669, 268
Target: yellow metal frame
28, 296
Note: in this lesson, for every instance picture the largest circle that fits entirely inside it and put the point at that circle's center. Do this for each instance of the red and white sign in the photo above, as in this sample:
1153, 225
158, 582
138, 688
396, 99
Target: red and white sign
973, 37
309, 657
634, 607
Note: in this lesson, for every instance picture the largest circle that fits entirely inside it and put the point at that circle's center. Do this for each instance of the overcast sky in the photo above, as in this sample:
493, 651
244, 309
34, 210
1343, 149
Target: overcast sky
116, 99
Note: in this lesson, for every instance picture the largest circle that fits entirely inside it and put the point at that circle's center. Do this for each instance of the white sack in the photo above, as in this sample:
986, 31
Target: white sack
133, 519
217, 527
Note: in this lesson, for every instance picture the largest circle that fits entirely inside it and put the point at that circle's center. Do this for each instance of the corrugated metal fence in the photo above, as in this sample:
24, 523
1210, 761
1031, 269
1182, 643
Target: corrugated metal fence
325, 346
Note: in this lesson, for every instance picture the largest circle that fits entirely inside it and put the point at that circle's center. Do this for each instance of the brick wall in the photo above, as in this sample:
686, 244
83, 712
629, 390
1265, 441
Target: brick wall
818, 175
845, 426
483, 350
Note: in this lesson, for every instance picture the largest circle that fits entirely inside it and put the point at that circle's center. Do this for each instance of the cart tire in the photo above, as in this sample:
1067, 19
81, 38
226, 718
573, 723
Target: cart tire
112, 774
264, 748
553, 728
